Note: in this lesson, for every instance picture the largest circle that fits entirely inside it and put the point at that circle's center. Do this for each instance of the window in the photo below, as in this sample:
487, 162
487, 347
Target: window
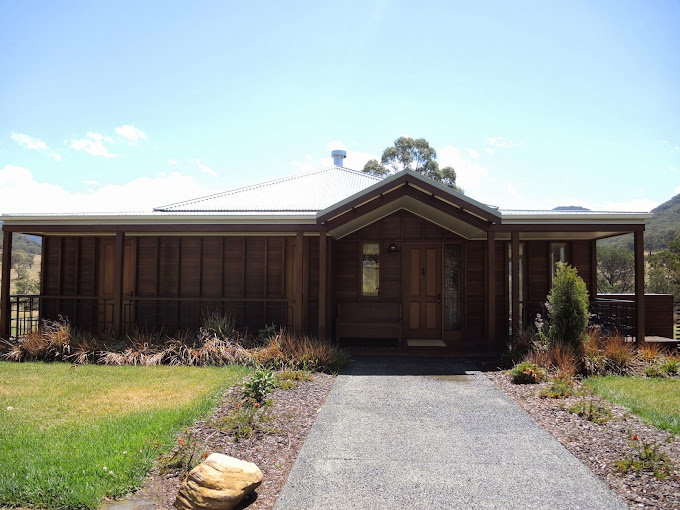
370, 269
558, 253
522, 266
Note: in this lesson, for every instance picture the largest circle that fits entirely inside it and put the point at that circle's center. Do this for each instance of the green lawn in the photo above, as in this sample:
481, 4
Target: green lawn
656, 401
69, 437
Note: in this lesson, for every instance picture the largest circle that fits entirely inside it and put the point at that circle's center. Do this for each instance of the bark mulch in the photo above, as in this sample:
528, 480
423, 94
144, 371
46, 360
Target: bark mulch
600, 446
292, 415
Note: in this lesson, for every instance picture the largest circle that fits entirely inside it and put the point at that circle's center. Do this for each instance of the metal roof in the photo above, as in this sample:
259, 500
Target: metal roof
308, 192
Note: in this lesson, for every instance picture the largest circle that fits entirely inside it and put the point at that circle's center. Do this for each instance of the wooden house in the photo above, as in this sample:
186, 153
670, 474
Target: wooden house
401, 265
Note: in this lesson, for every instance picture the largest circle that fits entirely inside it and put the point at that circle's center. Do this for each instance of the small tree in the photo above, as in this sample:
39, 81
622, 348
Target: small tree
568, 306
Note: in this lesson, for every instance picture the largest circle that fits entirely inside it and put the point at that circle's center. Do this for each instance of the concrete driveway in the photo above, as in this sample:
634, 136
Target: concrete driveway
400, 433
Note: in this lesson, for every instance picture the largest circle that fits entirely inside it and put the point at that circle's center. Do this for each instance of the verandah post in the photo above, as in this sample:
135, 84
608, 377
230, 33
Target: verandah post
118, 256
514, 239
491, 287
322, 284
299, 279
640, 285
5, 309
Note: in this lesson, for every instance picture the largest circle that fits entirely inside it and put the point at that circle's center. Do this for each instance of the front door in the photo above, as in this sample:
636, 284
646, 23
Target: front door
423, 295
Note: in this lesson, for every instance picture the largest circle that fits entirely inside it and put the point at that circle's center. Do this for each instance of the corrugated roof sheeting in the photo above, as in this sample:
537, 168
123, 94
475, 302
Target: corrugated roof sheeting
311, 192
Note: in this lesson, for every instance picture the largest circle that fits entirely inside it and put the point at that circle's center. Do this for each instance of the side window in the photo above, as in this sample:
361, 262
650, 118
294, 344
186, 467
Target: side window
558, 253
370, 269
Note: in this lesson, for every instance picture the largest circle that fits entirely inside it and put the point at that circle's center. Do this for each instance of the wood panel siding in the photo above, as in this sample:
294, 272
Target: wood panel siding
581, 257
475, 292
658, 312
170, 281
537, 257
502, 301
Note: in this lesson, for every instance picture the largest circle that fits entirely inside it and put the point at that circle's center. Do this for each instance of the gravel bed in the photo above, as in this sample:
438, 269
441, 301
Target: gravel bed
599, 446
293, 414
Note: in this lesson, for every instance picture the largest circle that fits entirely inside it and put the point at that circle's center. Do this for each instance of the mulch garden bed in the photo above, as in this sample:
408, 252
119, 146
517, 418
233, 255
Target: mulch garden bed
292, 415
600, 446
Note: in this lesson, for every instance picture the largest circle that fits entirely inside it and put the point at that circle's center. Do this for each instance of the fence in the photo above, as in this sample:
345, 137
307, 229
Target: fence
615, 316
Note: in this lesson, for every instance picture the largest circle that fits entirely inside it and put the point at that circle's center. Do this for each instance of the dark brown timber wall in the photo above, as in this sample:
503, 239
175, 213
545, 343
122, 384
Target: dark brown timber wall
658, 312
171, 281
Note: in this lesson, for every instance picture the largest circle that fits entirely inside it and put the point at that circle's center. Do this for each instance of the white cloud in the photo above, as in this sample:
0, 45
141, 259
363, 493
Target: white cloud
498, 142
94, 145
307, 164
172, 162
91, 183
131, 134
336, 146
29, 142
473, 153
203, 168
677, 190
142, 194
470, 175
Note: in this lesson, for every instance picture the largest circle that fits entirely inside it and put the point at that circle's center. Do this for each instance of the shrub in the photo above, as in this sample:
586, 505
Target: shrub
259, 386
649, 352
559, 387
654, 370
671, 366
619, 354
592, 411
527, 373
563, 359
568, 306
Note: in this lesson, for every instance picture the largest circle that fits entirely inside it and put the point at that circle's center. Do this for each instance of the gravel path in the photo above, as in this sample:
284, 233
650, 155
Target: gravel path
405, 433
600, 446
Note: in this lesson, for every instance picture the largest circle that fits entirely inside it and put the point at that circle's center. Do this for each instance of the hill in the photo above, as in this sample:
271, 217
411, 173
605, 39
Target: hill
661, 230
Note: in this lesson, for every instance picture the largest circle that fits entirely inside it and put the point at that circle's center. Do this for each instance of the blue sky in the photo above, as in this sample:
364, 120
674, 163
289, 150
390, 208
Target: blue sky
129, 105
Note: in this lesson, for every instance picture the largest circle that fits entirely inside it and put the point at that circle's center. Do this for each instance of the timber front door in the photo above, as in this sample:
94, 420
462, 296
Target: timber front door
423, 293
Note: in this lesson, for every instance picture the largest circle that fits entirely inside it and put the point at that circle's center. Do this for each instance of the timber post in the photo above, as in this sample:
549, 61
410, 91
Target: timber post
118, 263
640, 285
322, 284
491, 288
5, 312
299, 280
514, 239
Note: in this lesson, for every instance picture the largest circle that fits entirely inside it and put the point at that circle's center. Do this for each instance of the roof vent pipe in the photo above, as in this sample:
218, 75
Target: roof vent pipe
338, 156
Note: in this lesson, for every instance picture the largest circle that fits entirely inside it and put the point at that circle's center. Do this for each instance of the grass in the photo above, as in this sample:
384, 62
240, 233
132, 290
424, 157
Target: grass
71, 436
656, 401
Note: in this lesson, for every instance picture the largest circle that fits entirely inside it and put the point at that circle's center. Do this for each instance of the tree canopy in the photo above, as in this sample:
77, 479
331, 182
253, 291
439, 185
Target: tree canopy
416, 155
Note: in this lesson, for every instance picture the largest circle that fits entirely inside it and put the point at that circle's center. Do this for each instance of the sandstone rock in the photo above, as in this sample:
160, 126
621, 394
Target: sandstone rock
219, 483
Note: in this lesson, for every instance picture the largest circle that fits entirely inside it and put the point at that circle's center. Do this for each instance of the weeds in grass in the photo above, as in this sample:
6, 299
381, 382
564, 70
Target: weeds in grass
647, 457
184, 457
671, 366
592, 411
246, 419
654, 370
559, 387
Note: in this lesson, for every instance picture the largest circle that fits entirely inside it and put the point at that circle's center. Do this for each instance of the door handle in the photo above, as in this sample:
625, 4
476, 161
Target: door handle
439, 299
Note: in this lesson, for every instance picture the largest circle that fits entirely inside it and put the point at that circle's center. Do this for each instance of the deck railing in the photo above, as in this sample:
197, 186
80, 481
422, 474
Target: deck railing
614, 316
187, 314
676, 320
27, 311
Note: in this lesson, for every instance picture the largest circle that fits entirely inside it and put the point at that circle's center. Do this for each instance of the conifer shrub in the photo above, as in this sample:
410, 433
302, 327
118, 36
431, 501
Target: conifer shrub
568, 307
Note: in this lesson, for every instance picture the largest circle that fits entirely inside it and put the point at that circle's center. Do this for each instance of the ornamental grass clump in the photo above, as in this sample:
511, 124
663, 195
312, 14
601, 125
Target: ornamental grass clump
527, 373
568, 307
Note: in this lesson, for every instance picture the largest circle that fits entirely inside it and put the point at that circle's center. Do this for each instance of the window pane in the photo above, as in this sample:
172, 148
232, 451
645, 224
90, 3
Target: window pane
370, 268
452, 287
558, 253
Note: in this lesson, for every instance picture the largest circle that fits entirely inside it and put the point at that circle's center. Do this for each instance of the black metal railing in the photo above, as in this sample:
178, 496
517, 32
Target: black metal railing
614, 316
676, 320
88, 313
